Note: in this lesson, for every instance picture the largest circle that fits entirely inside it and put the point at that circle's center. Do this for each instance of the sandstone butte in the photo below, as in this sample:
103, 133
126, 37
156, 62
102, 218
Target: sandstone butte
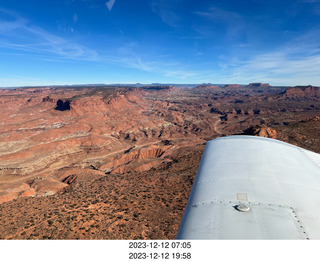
258, 85
303, 91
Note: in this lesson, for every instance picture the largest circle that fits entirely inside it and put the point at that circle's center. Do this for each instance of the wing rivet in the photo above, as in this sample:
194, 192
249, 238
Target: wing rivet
242, 207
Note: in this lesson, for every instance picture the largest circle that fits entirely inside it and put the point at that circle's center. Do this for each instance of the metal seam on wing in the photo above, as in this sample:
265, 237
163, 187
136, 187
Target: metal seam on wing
310, 158
203, 203
236, 204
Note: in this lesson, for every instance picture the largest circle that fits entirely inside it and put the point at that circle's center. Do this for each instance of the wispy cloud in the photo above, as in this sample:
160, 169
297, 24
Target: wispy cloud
284, 66
129, 55
16, 80
14, 23
21, 35
168, 11
36, 41
133, 56
217, 17
135, 62
181, 74
27, 39
216, 13
110, 4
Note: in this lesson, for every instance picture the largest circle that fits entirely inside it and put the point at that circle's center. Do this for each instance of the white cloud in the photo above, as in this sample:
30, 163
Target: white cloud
295, 62
14, 21
278, 68
75, 18
136, 63
110, 4
168, 11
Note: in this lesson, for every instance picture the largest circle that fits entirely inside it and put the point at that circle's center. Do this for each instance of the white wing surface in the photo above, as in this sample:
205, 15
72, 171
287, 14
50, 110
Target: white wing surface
254, 188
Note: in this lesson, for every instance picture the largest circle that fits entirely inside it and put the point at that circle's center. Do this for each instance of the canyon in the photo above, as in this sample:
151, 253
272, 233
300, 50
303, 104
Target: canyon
112, 162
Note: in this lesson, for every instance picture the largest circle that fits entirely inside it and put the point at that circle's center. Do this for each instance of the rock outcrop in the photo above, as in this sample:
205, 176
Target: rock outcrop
47, 99
302, 91
261, 131
139, 159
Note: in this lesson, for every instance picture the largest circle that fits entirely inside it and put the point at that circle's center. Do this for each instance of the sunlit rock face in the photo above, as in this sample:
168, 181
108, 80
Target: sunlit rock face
303, 91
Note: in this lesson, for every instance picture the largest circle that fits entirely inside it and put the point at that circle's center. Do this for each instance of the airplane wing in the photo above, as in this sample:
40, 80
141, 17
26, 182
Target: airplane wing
254, 188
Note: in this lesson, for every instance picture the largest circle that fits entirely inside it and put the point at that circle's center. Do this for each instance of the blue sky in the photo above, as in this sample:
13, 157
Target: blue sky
168, 41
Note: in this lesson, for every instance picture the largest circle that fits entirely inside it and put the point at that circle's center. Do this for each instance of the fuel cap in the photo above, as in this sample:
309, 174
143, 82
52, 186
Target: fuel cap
242, 207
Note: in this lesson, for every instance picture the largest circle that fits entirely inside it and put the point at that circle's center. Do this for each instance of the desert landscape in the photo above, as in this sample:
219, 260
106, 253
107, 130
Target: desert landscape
118, 162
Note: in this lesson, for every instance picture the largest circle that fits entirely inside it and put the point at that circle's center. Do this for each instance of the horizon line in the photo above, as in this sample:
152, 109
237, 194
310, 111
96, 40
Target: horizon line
139, 84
